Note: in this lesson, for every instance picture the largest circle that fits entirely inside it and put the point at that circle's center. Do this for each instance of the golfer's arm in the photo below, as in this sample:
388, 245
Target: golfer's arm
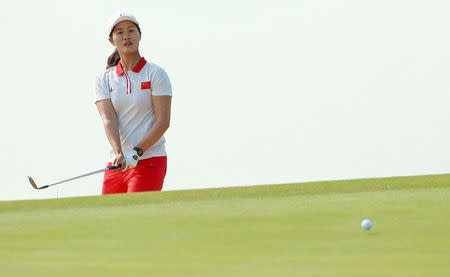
110, 123
161, 107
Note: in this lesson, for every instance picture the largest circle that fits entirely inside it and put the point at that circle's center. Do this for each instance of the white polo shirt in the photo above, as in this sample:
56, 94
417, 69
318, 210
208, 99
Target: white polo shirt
131, 95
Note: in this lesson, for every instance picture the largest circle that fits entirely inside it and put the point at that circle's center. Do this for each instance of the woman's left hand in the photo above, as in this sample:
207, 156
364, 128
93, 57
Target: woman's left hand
130, 160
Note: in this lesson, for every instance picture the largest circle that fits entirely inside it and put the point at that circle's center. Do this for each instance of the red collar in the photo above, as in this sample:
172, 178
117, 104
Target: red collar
137, 68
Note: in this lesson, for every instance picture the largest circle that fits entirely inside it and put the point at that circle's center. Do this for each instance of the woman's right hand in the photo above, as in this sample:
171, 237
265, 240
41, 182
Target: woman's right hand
118, 160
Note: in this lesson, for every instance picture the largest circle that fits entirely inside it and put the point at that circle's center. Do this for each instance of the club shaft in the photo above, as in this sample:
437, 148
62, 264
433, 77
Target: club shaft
84, 175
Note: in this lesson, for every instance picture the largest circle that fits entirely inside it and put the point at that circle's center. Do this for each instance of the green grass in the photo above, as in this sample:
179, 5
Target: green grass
309, 229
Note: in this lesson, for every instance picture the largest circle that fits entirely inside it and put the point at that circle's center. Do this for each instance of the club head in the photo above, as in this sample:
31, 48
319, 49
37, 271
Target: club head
34, 184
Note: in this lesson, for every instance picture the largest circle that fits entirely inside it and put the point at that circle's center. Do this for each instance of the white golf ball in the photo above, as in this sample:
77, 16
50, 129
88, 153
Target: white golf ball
366, 224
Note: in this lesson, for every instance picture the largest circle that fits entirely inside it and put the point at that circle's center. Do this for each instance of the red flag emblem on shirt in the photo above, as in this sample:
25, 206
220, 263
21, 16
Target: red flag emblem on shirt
145, 85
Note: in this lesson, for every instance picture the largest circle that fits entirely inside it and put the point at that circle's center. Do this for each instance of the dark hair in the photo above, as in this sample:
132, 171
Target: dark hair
114, 58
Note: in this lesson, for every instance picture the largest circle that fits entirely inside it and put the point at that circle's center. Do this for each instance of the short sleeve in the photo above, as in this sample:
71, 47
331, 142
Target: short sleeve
101, 91
161, 83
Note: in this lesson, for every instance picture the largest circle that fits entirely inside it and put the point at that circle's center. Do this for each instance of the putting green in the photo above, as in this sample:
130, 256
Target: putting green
309, 229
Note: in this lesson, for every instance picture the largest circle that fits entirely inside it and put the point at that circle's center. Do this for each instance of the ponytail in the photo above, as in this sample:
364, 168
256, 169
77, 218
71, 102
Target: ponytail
113, 60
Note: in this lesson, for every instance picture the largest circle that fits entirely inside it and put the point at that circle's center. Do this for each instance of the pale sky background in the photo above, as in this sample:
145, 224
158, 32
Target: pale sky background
265, 92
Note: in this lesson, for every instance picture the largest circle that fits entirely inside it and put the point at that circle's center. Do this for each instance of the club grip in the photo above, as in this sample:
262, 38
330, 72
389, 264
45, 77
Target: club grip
114, 167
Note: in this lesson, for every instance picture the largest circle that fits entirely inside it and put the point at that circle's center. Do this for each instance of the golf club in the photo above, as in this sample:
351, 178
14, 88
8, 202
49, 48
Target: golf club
73, 178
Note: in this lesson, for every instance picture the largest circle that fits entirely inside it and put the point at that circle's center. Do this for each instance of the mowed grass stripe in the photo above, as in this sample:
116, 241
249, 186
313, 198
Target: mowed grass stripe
266, 191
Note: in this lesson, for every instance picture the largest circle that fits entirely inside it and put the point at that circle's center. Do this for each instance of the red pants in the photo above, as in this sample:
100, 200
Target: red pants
148, 175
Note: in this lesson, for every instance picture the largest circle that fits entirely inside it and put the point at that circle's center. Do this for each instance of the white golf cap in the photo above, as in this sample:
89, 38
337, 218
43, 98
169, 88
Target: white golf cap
121, 16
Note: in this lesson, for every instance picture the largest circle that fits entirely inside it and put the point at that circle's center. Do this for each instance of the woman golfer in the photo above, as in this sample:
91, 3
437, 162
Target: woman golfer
133, 97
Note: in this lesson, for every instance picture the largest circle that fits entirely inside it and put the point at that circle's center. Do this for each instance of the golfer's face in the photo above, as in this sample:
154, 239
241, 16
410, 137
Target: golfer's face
126, 37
